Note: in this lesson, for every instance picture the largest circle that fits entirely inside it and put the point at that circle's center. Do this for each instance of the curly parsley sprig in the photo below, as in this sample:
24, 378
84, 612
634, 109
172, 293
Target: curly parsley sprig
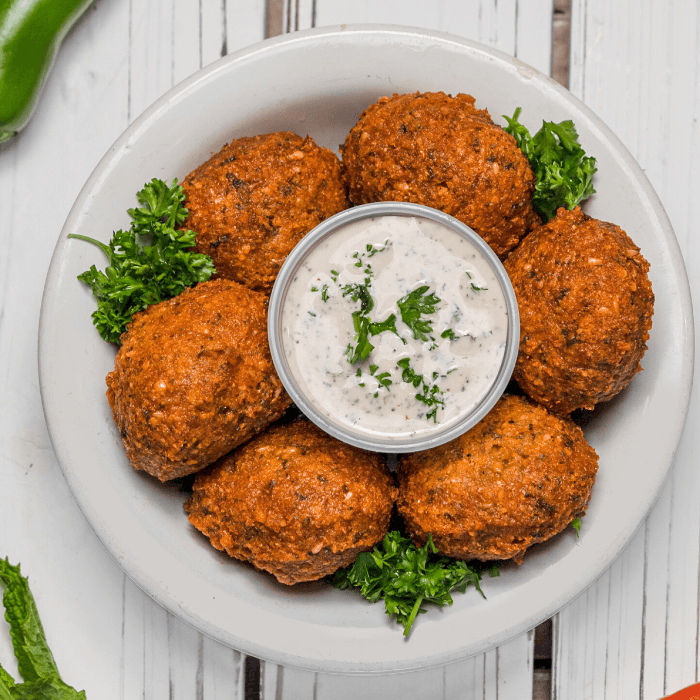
363, 325
414, 305
150, 262
563, 172
432, 394
407, 577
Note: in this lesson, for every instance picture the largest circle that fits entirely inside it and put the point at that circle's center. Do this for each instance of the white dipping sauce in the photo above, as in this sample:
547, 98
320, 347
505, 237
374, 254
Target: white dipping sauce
403, 254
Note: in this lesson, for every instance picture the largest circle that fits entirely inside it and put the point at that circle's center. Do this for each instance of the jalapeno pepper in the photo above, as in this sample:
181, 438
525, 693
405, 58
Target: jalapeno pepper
31, 32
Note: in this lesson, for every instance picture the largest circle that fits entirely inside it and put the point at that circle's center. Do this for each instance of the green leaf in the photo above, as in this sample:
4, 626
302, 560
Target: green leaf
563, 172
576, 524
6, 683
360, 352
151, 262
359, 292
46, 689
389, 324
431, 395
34, 658
364, 327
414, 305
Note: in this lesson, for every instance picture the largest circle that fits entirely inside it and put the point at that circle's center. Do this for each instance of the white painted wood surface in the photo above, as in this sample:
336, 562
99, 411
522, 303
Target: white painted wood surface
633, 634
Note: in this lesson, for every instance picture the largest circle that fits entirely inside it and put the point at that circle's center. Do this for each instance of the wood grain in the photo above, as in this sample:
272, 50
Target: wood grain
635, 632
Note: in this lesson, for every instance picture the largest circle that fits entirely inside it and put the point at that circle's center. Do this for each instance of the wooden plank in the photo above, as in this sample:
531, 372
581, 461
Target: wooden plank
606, 622
165, 659
150, 52
188, 57
108, 637
194, 35
533, 34
635, 64
521, 28
298, 15
505, 672
76, 584
245, 23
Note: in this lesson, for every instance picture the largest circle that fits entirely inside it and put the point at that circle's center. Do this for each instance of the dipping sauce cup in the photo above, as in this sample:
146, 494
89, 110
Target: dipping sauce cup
393, 327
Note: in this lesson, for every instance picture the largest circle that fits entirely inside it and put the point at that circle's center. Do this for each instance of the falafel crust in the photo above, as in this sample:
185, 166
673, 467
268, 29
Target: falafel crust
440, 151
294, 501
518, 477
585, 304
254, 200
194, 378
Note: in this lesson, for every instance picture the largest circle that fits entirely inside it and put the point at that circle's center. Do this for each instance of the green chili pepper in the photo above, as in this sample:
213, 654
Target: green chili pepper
31, 32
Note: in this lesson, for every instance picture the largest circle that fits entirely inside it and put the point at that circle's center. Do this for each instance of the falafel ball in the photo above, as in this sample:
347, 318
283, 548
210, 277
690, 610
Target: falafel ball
518, 477
585, 304
254, 200
194, 378
294, 501
440, 151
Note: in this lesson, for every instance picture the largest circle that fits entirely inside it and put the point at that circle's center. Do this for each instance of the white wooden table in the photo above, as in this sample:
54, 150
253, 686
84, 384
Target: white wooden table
634, 633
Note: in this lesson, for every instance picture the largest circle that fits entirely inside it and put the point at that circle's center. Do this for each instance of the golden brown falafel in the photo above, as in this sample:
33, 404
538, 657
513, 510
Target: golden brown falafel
294, 501
440, 151
194, 378
585, 304
518, 477
252, 202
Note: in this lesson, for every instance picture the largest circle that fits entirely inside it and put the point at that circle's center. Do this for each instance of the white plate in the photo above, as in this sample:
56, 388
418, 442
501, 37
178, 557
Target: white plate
318, 82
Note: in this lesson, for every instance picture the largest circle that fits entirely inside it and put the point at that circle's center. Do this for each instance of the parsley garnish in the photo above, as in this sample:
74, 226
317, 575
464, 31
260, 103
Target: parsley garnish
413, 306
360, 352
449, 333
389, 324
576, 524
150, 262
373, 250
408, 375
364, 327
382, 377
563, 172
359, 292
432, 394
407, 577
370, 252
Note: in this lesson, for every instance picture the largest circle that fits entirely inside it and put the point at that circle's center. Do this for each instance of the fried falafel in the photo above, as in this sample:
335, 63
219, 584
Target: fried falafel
254, 200
194, 378
585, 304
518, 477
294, 501
440, 151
